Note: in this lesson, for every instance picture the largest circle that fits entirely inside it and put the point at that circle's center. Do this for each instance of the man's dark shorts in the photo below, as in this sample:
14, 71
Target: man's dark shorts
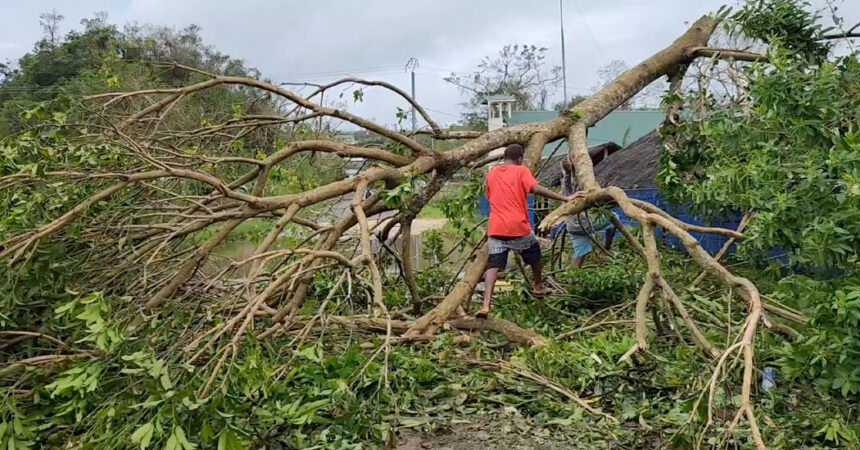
499, 248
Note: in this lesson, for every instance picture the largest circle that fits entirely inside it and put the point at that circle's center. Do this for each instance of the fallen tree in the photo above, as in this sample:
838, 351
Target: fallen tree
171, 231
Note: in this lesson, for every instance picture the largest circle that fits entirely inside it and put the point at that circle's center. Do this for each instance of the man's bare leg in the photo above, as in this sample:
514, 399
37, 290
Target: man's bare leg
539, 288
610, 235
578, 261
490, 276
607, 245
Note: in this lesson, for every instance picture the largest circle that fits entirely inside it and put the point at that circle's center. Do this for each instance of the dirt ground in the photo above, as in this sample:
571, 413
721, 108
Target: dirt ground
418, 225
503, 431
473, 437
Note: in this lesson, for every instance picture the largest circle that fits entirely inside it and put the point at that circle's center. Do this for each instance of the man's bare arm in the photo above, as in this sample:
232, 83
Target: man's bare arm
544, 192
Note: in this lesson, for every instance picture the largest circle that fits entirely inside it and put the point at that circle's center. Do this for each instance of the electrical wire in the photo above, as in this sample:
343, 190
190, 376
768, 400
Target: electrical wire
590, 32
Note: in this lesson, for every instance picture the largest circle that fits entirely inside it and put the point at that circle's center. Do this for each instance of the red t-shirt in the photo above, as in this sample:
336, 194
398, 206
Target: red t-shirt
508, 187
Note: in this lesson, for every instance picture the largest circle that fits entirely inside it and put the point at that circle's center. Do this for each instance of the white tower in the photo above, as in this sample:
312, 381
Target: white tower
499, 108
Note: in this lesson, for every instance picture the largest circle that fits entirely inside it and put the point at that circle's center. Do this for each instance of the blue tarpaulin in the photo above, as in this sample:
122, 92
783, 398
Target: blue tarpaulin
712, 243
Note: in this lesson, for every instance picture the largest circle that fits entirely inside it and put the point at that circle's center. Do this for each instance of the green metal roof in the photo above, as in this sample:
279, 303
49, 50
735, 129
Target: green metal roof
518, 117
621, 127
498, 98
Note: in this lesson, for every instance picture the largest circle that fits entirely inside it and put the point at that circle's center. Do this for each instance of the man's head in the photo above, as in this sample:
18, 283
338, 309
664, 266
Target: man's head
514, 154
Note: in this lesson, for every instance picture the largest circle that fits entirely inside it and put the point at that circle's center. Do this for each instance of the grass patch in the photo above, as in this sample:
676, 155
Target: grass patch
431, 212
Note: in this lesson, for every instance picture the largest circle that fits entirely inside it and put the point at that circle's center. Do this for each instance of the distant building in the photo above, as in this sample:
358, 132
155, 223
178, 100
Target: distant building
633, 168
499, 109
619, 127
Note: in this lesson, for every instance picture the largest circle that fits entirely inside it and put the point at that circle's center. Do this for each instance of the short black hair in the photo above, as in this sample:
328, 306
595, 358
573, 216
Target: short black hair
514, 152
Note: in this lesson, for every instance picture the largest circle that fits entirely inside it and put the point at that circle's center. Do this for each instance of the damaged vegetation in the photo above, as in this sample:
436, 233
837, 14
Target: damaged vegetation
186, 264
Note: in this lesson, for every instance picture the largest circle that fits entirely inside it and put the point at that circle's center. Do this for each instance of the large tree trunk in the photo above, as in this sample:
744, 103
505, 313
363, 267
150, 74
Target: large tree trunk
277, 296
574, 123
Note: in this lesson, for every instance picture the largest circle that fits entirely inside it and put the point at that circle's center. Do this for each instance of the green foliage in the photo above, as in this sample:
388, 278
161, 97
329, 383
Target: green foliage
398, 196
134, 386
786, 23
827, 352
304, 172
516, 70
573, 101
790, 151
460, 207
432, 246
92, 312
613, 281
48, 65
331, 393
430, 281
794, 157
101, 57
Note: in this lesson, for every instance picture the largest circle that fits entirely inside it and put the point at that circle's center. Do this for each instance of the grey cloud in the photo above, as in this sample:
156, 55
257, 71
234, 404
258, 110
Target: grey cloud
322, 40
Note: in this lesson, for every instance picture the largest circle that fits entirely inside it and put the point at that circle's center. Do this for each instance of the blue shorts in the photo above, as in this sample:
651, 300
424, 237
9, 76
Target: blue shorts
582, 244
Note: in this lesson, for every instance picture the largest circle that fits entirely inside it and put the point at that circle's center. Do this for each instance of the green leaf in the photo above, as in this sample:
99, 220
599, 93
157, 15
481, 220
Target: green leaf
172, 443
165, 380
65, 307
560, 421
407, 422
207, 433
229, 441
311, 352
143, 435
180, 436
178, 441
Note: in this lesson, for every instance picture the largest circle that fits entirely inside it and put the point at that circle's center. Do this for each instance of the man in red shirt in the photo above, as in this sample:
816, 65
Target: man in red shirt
508, 187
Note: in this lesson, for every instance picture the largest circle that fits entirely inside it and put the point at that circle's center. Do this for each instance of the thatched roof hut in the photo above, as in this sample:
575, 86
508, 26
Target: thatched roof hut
550, 168
633, 167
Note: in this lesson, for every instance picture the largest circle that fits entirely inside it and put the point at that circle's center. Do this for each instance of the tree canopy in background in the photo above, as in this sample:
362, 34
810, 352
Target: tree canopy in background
520, 71
93, 59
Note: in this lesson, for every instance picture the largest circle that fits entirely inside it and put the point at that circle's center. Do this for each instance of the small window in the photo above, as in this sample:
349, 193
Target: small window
495, 111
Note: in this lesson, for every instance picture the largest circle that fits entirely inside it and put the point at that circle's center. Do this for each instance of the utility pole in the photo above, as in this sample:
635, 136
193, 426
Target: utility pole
563, 64
410, 66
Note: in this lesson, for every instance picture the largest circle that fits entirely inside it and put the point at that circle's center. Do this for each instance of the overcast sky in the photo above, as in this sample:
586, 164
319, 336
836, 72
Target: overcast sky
321, 40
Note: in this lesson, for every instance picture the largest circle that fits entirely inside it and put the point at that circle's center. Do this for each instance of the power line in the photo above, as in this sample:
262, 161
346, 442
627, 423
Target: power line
440, 69
442, 112
590, 32
336, 73
580, 89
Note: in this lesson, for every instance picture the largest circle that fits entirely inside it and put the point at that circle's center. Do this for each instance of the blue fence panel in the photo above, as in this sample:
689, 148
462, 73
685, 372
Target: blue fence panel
712, 243
484, 207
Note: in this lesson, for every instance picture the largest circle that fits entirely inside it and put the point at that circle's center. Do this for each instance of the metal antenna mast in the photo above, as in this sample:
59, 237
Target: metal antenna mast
411, 65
